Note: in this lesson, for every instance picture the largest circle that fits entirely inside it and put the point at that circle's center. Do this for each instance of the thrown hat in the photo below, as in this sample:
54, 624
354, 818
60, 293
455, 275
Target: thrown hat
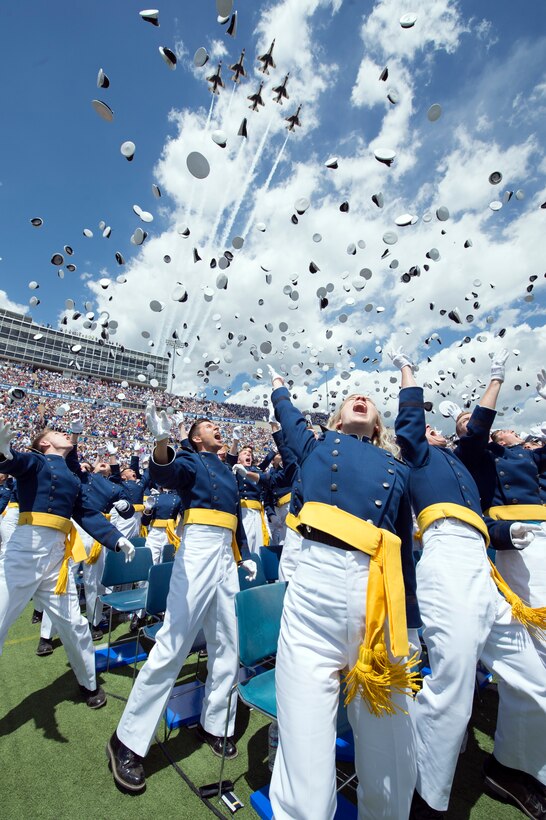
168, 56
150, 16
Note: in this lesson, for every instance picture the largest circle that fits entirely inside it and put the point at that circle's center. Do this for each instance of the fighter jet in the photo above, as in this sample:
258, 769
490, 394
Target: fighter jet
267, 60
294, 119
281, 91
256, 99
216, 80
238, 68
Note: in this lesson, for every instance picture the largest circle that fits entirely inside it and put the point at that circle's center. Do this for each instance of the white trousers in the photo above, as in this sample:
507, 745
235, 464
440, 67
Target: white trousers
465, 618
525, 573
29, 568
8, 523
156, 540
92, 574
128, 527
290, 554
201, 595
321, 632
252, 523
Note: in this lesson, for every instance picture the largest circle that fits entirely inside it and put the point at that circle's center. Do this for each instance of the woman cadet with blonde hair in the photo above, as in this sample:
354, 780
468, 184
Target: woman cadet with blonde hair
347, 610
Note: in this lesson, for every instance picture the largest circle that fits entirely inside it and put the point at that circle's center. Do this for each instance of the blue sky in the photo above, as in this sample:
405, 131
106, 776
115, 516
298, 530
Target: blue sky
483, 63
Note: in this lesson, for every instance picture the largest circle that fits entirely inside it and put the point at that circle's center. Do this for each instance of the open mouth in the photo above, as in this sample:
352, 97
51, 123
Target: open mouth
360, 407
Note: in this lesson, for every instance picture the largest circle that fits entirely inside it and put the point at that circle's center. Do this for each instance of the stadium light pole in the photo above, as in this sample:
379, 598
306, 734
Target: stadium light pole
175, 344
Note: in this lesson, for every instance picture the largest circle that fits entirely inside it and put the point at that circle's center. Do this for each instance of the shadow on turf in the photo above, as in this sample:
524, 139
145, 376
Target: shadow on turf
468, 786
39, 707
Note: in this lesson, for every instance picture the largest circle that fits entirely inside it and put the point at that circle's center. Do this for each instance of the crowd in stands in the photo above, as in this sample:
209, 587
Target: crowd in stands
101, 422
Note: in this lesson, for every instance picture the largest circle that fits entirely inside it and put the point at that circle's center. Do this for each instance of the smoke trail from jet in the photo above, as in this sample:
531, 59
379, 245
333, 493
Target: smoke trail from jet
263, 190
247, 182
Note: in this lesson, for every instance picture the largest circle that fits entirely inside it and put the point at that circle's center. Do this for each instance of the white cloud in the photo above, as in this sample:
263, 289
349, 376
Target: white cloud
8, 304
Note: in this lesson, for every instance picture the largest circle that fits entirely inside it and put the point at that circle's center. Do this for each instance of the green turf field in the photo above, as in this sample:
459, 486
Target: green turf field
53, 763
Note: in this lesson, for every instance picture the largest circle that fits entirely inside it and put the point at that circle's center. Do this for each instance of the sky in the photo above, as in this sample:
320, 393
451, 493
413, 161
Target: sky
318, 294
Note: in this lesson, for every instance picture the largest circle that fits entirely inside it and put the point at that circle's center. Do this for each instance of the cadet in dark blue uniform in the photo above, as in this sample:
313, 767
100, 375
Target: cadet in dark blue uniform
355, 519
251, 495
35, 561
202, 594
464, 616
106, 497
508, 479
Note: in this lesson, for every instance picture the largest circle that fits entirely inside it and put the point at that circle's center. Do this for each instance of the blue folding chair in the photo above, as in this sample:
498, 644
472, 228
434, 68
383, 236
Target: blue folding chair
260, 578
159, 579
118, 572
259, 611
138, 541
168, 553
270, 556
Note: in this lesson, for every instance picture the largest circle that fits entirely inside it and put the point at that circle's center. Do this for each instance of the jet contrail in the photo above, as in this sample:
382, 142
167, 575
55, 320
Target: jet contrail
222, 208
231, 97
248, 180
264, 189
210, 113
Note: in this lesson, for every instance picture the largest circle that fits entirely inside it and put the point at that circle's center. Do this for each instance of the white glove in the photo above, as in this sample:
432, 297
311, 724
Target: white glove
539, 431
6, 435
522, 534
541, 383
159, 424
136, 446
399, 358
76, 426
237, 433
149, 504
273, 374
111, 448
449, 409
122, 505
251, 568
124, 545
178, 418
239, 469
498, 365
414, 643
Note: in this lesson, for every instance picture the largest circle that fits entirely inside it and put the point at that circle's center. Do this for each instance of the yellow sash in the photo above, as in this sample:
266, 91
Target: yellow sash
215, 518
448, 510
518, 512
139, 507
96, 549
293, 522
374, 675
284, 499
252, 504
533, 619
10, 506
73, 545
167, 524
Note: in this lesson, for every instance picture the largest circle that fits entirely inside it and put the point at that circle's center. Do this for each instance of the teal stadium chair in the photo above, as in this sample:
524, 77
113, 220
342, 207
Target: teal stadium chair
270, 556
118, 572
259, 611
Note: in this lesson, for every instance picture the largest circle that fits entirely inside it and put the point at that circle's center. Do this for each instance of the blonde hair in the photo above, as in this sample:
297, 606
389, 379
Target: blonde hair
382, 437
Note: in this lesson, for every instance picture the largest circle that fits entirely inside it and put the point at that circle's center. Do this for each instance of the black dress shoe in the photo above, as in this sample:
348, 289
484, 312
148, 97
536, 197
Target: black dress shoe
95, 698
36, 617
96, 633
126, 766
45, 647
420, 809
516, 787
217, 743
